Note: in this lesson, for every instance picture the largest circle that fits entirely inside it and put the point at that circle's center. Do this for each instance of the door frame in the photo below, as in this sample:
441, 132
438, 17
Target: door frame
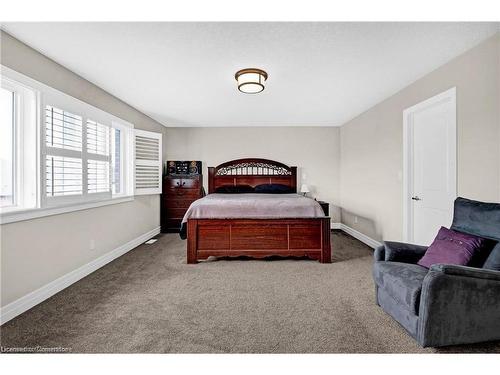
446, 96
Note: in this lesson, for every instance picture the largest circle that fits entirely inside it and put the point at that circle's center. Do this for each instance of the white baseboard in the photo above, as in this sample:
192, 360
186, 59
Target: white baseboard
26, 302
360, 236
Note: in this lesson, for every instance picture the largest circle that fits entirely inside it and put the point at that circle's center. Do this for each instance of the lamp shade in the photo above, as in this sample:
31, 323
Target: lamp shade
304, 188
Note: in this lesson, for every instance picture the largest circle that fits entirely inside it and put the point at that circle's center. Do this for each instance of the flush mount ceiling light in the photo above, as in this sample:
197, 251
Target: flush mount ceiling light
251, 80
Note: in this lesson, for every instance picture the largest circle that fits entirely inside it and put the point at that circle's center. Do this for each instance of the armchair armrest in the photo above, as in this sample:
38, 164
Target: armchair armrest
399, 252
459, 305
379, 253
451, 269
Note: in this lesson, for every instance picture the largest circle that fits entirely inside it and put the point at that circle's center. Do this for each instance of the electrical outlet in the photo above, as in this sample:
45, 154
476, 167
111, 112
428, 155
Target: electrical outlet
92, 245
355, 219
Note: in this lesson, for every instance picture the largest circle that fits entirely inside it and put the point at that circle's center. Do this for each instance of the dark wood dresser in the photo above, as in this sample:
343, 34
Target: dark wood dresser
179, 191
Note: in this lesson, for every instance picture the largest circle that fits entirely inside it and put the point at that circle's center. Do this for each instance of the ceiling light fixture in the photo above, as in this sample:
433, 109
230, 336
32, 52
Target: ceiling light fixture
251, 80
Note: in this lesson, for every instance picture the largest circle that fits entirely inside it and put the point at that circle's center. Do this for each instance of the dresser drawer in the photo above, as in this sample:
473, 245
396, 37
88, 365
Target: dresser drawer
173, 182
190, 183
182, 193
178, 203
182, 182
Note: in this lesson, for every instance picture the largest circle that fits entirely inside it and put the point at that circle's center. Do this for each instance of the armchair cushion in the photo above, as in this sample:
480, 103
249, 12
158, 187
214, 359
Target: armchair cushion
402, 281
477, 218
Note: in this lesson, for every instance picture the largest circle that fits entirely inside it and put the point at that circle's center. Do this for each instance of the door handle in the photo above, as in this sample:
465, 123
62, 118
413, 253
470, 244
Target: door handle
416, 198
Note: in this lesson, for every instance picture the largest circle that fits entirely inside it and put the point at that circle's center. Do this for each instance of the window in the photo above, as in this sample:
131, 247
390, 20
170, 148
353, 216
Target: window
7, 128
84, 154
122, 159
18, 152
58, 153
87, 153
116, 161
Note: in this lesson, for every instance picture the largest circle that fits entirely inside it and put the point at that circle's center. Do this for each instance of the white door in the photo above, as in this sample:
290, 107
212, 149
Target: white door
430, 166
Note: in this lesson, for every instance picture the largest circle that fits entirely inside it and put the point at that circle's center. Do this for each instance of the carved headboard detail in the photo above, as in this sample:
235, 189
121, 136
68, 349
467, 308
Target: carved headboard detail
251, 172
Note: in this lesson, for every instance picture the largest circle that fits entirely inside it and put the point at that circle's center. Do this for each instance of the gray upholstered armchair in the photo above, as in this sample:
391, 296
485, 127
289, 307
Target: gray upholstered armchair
446, 304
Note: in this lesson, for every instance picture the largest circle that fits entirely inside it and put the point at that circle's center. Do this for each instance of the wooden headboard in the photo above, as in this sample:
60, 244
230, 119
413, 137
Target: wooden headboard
251, 172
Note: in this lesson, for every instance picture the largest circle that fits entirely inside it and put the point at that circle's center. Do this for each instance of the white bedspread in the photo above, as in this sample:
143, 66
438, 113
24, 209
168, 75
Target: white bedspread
255, 206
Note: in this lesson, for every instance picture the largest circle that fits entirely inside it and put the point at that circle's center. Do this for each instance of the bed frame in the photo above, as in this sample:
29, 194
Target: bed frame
257, 238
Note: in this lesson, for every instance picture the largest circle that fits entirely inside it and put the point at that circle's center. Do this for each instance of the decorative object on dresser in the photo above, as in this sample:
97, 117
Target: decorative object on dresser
178, 167
182, 185
285, 235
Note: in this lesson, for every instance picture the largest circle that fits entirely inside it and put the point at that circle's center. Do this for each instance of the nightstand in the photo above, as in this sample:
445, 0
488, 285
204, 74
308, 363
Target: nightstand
325, 206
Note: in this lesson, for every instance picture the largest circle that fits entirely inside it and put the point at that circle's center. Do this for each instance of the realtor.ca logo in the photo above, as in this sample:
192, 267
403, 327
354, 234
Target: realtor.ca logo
34, 349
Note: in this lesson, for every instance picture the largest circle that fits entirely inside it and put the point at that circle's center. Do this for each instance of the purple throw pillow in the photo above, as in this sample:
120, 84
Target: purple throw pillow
451, 247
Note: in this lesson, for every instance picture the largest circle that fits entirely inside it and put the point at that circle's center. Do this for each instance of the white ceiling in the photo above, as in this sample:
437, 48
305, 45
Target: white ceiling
320, 74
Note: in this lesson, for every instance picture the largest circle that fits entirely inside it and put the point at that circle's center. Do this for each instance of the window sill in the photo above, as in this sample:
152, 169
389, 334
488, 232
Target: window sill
22, 215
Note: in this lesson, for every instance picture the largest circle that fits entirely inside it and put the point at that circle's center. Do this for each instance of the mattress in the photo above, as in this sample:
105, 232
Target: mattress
253, 206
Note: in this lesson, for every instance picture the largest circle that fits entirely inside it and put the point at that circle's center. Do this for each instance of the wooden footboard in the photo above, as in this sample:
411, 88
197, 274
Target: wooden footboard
259, 238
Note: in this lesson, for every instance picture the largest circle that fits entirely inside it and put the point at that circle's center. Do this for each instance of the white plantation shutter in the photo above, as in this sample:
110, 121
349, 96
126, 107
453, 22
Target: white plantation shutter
147, 155
98, 180
77, 158
98, 158
63, 153
63, 130
97, 138
63, 176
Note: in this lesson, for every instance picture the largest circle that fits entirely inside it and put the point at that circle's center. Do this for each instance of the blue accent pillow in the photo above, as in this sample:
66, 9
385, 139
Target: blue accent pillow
273, 189
234, 189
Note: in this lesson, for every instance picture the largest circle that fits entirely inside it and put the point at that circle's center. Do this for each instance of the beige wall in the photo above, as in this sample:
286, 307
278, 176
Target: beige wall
372, 143
36, 252
314, 150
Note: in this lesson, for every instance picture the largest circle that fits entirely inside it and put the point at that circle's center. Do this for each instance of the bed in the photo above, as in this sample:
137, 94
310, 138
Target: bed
252, 224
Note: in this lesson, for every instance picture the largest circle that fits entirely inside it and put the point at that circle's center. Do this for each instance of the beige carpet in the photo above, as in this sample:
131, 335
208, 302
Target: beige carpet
149, 300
